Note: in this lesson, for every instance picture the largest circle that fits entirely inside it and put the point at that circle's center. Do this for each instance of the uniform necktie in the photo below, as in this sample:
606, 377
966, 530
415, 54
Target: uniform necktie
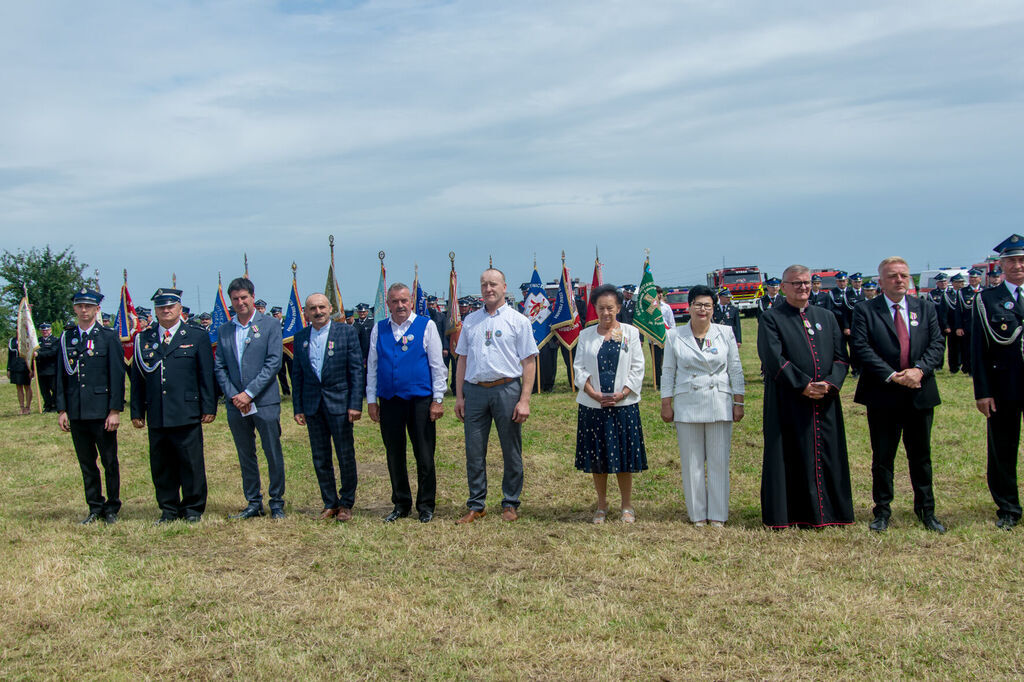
902, 335
1020, 302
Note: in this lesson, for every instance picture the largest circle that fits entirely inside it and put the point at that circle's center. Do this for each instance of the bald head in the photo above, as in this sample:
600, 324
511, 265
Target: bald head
318, 310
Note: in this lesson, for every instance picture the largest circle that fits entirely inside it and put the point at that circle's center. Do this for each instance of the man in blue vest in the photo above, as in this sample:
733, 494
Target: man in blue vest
405, 383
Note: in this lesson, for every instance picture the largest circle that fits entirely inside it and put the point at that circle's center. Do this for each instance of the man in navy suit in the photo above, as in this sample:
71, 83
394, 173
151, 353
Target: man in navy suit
898, 342
327, 395
248, 359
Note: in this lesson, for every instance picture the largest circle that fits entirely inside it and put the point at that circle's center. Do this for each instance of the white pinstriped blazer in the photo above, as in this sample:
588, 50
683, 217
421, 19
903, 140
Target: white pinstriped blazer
701, 382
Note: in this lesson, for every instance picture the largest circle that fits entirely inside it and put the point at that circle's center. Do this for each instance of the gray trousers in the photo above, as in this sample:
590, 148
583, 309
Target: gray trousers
267, 422
484, 405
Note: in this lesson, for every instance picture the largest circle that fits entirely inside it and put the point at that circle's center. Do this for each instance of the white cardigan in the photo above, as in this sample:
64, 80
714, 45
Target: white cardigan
702, 382
630, 371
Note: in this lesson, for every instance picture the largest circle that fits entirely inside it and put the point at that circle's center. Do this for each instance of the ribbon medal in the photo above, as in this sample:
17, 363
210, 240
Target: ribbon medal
255, 332
406, 338
807, 323
330, 348
487, 337
89, 345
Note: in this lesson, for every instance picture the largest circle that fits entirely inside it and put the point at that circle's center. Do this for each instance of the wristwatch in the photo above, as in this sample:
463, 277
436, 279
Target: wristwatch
439, 400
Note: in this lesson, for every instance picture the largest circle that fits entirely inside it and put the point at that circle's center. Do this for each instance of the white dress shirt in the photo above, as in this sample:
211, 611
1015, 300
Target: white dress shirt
318, 346
431, 344
889, 303
163, 331
1012, 288
511, 341
668, 315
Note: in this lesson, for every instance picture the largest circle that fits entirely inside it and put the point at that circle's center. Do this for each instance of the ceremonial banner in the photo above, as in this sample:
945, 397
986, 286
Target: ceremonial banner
380, 306
565, 319
420, 298
28, 342
537, 308
595, 282
454, 316
127, 322
221, 313
647, 317
294, 319
332, 292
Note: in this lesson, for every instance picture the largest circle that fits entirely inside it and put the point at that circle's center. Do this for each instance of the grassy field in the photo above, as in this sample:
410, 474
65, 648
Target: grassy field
548, 597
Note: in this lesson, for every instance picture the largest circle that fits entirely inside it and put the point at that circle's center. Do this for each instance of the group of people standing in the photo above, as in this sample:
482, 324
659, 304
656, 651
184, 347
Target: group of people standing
402, 371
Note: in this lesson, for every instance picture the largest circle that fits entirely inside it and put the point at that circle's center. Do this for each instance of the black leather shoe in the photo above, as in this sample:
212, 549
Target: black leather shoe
932, 523
193, 518
93, 517
396, 514
277, 513
1006, 521
110, 518
881, 523
250, 512
166, 518
426, 516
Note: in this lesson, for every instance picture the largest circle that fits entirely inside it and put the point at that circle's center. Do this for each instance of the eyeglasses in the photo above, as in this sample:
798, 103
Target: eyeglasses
799, 285
703, 306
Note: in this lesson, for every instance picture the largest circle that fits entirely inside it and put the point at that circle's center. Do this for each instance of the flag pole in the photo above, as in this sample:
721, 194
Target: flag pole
35, 375
572, 354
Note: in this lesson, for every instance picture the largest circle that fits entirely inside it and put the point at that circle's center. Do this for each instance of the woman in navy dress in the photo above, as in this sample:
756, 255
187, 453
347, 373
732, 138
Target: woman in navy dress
609, 369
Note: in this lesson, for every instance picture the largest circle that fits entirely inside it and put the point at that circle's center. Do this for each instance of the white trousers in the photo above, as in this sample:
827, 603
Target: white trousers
704, 454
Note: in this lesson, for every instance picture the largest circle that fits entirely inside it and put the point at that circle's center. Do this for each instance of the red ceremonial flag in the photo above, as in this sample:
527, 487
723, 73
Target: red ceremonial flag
127, 322
595, 282
454, 317
565, 319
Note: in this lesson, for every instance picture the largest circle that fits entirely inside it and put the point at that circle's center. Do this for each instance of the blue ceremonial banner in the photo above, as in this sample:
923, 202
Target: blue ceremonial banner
294, 319
380, 307
421, 301
221, 314
565, 319
537, 308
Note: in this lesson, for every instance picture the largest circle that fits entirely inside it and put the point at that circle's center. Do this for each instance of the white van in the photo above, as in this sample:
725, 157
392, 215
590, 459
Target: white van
927, 281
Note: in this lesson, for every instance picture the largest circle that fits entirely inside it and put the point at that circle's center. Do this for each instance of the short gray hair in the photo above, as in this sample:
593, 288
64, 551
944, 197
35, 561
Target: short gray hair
795, 269
889, 261
397, 286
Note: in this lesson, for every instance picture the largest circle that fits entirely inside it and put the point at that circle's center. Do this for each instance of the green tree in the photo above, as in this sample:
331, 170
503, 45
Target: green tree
51, 278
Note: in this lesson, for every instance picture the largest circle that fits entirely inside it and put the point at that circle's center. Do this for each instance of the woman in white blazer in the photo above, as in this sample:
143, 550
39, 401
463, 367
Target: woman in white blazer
609, 369
702, 392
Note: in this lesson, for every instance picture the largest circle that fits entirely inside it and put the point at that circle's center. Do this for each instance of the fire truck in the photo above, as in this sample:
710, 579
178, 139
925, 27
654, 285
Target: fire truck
743, 283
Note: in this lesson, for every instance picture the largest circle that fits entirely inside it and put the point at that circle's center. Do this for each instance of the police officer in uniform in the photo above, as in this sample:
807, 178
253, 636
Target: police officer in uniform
870, 289
965, 310
46, 366
441, 322
771, 297
994, 278
939, 299
173, 390
90, 398
628, 308
998, 362
261, 306
854, 295
838, 295
822, 299
728, 314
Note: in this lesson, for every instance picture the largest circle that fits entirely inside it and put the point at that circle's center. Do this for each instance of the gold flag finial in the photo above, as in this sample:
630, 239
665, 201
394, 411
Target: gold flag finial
294, 268
97, 273
563, 256
219, 283
380, 255
245, 261
174, 281
330, 240
490, 261
125, 273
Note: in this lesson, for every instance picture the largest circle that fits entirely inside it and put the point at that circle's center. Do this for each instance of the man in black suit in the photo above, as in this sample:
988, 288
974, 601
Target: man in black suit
997, 347
363, 325
173, 390
327, 397
728, 314
628, 308
90, 399
898, 343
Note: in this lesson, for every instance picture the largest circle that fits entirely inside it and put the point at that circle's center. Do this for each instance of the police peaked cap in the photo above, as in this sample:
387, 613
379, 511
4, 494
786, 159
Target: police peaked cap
87, 295
164, 297
1011, 246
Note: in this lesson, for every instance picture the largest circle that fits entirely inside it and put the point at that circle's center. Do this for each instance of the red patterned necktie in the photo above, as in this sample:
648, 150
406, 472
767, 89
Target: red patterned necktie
903, 336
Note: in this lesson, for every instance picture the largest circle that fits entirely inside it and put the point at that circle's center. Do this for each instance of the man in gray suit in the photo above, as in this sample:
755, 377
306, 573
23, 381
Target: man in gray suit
249, 353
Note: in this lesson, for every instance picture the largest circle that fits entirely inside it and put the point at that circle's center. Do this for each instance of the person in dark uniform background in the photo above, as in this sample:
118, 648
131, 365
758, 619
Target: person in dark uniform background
728, 314
441, 322
870, 289
364, 328
628, 309
261, 306
818, 297
838, 296
46, 366
20, 374
938, 298
956, 340
90, 399
997, 348
771, 298
854, 295
173, 391
285, 374
994, 278
965, 310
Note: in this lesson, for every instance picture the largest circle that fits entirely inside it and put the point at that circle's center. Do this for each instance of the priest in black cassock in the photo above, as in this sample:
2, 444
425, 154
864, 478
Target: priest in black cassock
805, 479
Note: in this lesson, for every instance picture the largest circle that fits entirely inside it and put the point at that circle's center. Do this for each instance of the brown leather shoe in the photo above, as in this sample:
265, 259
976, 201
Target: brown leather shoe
344, 514
509, 514
328, 513
472, 516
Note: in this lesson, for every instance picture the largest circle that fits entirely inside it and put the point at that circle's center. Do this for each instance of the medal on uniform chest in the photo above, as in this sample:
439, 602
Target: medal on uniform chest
255, 331
330, 347
74, 340
89, 345
810, 332
1008, 305
1005, 327
406, 338
487, 337
817, 325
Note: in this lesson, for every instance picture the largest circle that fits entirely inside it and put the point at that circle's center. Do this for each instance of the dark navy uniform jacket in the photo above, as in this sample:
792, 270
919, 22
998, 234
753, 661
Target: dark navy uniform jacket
729, 315
95, 384
172, 383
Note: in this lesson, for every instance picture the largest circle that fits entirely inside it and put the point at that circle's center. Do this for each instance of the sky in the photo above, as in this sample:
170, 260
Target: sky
174, 137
